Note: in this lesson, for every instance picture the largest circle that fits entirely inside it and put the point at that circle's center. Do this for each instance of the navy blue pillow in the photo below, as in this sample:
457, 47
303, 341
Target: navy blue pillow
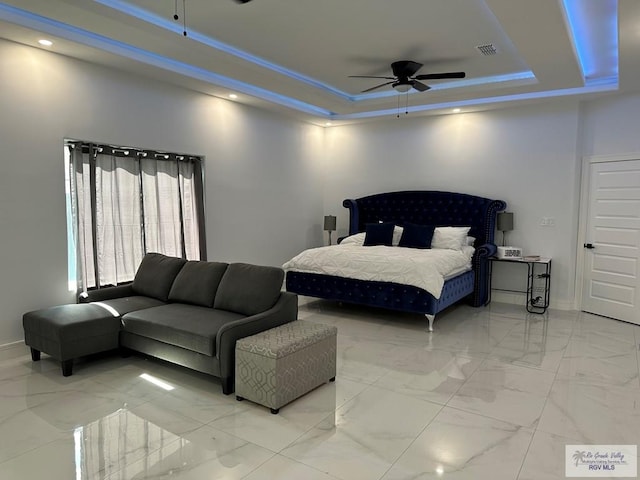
416, 236
378, 234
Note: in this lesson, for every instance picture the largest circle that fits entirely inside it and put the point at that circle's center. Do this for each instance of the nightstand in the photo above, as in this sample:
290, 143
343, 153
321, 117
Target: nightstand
538, 275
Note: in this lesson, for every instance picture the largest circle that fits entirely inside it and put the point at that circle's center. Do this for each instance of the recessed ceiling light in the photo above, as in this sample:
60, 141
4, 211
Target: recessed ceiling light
456, 110
328, 124
45, 43
233, 96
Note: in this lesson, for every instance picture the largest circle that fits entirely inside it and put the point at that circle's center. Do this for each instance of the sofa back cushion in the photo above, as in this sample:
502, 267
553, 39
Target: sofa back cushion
249, 289
197, 283
156, 274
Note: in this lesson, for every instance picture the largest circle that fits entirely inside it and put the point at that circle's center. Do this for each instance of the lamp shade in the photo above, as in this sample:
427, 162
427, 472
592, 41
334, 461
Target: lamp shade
505, 221
329, 222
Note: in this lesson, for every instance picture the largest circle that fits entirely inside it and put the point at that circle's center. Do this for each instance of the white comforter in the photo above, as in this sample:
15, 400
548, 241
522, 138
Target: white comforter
426, 269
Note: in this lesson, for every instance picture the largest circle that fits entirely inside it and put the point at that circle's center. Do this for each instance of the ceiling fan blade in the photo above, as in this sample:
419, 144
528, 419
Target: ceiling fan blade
377, 86
405, 68
369, 76
421, 87
439, 76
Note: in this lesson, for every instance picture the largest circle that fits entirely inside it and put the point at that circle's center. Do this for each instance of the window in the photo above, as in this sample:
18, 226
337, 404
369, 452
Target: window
124, 202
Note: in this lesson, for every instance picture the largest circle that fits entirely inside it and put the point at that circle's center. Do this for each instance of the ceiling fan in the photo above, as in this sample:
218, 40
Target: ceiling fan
405, 77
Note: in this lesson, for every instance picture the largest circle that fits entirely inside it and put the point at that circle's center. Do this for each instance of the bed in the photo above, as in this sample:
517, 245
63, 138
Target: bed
411, 207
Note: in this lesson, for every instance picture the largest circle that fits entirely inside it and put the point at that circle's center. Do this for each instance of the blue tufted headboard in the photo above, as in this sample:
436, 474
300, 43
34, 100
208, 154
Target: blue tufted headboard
427, 208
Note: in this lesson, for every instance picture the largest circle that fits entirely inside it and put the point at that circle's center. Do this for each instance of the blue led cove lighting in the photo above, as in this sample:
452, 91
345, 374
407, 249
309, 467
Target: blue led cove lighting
598, 88
585, 38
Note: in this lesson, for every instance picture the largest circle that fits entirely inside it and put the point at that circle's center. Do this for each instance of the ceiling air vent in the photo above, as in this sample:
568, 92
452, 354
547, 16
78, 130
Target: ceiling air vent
487, 49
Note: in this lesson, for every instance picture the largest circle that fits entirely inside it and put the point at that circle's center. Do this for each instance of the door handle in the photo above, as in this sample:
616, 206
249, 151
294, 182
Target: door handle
589, 246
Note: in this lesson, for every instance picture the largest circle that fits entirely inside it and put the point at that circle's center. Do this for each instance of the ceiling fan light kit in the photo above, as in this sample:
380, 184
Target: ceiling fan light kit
401, 87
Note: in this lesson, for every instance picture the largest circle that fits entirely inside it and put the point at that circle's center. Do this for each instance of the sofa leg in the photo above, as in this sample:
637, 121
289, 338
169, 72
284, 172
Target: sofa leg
274, 411
35, 354
239, 398
67, 367
227, 385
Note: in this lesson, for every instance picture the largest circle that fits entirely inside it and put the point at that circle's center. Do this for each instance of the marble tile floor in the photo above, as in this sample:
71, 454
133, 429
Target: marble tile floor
494, 393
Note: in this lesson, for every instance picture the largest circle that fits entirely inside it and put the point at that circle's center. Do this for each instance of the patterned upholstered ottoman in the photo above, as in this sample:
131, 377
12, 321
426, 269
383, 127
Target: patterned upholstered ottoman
275, 367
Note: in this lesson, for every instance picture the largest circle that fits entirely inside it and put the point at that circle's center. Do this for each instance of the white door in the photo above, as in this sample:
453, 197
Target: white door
611, 285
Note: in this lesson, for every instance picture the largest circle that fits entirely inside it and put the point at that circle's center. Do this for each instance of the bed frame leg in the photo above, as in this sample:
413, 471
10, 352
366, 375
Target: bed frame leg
431, 318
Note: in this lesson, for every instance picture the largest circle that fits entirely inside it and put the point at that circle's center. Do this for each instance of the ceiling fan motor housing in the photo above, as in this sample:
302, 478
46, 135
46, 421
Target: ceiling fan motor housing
403, 69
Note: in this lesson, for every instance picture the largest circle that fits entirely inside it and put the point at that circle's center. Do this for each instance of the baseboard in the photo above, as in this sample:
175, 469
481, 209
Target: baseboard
5, 346
13, 350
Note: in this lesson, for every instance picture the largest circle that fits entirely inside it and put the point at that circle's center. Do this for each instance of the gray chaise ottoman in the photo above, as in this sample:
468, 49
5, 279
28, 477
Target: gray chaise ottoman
279, 365
66, 332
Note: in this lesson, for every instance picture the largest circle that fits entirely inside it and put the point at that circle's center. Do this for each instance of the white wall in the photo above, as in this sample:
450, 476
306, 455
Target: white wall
264, 192
610, 125
525, 156
261, 174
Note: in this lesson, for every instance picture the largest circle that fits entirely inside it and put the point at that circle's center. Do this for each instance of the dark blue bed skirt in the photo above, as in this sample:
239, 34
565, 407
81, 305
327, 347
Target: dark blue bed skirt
393, 296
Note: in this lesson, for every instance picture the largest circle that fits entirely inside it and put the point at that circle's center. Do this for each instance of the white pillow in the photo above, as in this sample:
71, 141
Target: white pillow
397, 233
468, 251
452, 238
356, 239
471, 241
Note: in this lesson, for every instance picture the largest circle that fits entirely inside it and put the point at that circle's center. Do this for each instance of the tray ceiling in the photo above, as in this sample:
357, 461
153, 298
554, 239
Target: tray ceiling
297, 56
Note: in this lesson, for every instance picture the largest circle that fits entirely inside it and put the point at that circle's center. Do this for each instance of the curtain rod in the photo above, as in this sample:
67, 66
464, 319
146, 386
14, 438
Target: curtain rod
129, 151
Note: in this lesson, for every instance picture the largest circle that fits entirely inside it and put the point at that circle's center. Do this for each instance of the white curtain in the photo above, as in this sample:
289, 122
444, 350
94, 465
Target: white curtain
161, 202
124, 205
80, 193
119, 245
189, 195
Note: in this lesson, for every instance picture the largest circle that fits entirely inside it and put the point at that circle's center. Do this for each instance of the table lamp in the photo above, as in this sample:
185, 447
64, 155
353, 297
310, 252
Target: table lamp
505, 224
329, 225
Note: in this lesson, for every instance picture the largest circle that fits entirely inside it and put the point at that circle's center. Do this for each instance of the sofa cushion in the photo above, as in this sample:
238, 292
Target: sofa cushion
187, 326
249, 289
197, 283
156, 274
124, 305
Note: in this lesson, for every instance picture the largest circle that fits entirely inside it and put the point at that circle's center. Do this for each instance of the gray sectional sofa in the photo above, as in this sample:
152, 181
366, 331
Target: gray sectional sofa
186, 312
